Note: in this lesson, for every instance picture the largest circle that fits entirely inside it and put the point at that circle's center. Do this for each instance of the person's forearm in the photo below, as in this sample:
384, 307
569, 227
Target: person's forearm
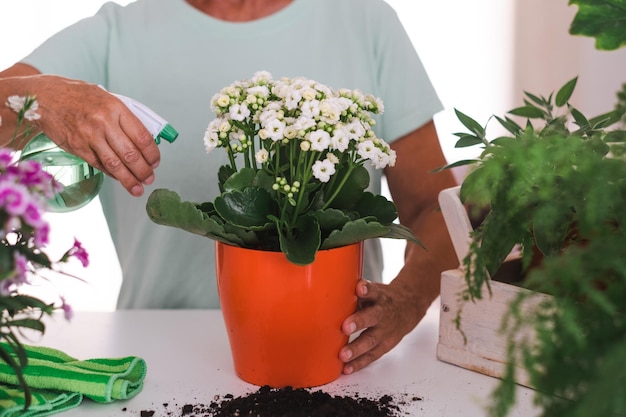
420, 276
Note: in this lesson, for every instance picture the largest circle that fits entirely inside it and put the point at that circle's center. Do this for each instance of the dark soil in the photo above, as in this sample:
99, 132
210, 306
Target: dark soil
287, 402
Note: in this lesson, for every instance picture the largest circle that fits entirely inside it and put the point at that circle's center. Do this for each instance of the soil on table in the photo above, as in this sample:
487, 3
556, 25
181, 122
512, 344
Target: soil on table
288, 402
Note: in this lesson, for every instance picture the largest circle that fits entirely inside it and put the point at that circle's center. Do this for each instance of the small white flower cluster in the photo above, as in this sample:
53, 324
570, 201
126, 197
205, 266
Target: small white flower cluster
26, 105
257, 117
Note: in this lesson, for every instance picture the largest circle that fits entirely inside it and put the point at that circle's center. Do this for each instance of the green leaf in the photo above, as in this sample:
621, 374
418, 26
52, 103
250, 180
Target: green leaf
509, 125
455, 164
579, 118
354, 231
399, 231
301, 245
540, 101
240, 180
603, 20
249, 208
330, 219
165, 207
565, 93
530, 112
357, 181
466, 140
223, 173
378, 207
470, 123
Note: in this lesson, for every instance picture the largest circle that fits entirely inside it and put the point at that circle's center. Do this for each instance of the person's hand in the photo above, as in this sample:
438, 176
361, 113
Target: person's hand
90, 123
94, 125
385, 315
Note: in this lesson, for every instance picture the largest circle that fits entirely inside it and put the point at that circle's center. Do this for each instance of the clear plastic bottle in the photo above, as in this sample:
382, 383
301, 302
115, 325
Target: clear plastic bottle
82, 182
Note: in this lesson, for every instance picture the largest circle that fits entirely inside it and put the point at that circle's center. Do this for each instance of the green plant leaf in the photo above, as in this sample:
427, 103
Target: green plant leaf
565, 92
303, 243
466, 140
356, 182
579, 118
470, 123
509, 125
240, 180
604, 20
249, 208
330, 219
354, 231
399, 231
456, 164
223, 173
165, 207
530, 112
377, 206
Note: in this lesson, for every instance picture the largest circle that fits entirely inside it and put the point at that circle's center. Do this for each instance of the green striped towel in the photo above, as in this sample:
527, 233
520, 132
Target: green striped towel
59, 382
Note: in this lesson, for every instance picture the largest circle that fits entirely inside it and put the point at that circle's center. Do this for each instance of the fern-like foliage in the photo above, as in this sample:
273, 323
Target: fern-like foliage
556, 187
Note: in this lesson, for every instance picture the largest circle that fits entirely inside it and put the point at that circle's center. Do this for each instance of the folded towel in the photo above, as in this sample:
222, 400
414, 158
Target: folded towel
59, 381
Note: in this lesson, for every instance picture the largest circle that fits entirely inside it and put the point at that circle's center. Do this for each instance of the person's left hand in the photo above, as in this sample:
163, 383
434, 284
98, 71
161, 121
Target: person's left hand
385, 315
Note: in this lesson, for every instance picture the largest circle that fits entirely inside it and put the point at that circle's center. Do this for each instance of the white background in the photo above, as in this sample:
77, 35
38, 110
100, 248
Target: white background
480, 55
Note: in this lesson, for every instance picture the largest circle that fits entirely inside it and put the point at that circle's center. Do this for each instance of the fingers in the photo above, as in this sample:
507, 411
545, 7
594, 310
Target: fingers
376, 323
129, 155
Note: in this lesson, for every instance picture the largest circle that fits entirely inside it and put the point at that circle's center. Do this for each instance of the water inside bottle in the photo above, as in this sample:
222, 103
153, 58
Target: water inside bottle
81, 182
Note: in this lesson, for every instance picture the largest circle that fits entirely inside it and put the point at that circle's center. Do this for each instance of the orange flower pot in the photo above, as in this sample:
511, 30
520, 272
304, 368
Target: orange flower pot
284, 320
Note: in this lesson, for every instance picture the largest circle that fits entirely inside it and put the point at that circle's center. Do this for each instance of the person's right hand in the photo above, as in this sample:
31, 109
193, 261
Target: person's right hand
92, 124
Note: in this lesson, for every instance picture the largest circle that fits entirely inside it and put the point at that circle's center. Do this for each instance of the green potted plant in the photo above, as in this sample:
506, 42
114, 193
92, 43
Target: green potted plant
290, 221
555, 186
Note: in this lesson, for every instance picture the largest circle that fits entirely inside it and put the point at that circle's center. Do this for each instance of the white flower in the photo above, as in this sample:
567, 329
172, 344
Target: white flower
355, 130
274, 129
380, 160
261, 77
310, 109
332, 158
322, 170
222, 100
293, 98
367, 150
211, 138
290, 132
330, 111
16, 103
239, 112
259, 91
224, 126
304, 123
340, 139
320, 140
268, 115
262, 156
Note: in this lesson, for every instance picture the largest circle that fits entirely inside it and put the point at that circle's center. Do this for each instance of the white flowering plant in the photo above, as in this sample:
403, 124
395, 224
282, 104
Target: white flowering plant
25, 189
297, 176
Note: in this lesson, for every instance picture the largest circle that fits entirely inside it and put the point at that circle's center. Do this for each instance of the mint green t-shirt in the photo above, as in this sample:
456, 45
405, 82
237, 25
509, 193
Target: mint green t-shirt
173, 58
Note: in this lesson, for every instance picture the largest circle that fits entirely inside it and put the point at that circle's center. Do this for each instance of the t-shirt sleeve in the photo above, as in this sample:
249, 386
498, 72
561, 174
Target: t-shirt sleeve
410, 99
78, 51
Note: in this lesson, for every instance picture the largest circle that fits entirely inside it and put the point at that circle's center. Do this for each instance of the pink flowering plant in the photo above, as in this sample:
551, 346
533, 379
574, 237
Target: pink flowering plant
297, 175
25, 189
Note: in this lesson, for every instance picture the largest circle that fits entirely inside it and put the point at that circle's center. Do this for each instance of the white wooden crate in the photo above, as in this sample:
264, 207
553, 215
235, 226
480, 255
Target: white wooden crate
484, 347
478, 345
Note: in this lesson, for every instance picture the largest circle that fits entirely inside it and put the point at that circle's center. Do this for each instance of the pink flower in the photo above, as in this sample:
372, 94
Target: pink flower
78, 252
13, 198
67, 309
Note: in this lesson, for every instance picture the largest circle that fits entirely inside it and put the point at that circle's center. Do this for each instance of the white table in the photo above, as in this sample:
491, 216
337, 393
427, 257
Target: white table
189, 361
